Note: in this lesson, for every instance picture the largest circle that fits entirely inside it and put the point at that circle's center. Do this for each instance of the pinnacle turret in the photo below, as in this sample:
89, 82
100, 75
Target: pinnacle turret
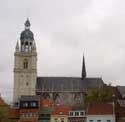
17, 46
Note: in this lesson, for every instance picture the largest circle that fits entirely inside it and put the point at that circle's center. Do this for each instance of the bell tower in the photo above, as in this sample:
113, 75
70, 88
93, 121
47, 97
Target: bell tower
25, 64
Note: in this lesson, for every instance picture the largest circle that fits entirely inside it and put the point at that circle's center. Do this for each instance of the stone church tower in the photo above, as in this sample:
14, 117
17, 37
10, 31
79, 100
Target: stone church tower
25, 65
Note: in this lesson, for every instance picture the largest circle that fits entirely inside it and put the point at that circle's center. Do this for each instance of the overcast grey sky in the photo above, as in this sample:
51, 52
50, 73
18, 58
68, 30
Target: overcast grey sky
63, 30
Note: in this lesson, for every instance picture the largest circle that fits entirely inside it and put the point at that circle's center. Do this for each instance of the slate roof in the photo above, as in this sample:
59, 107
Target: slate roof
121, 89
121, 103
67, 83
29, 98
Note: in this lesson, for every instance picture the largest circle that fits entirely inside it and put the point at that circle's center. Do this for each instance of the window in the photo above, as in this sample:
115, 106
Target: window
33, 104
34, 115
27, 83
108, 120
25, 64
76, 113
25, 104
60, 112
90, 120
27, 114
81, 113
71, 113
30, 114
62, 119
56, 120
98, 120
23, 114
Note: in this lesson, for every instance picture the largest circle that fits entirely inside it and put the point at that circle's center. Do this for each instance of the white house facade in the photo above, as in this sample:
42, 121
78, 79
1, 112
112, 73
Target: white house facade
100, 118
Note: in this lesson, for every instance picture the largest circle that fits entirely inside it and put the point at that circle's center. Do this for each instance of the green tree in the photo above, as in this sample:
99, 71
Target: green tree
99, 95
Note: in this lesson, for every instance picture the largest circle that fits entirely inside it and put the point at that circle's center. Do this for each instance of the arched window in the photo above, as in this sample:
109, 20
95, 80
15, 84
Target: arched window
25, 64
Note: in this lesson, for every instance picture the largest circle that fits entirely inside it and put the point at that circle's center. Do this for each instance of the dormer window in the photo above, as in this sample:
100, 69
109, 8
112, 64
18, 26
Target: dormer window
25, 104
33, 104
60, 113
71, 113
81, 113
76, 113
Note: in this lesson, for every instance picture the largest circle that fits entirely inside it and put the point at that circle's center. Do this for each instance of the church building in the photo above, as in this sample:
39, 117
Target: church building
61, 90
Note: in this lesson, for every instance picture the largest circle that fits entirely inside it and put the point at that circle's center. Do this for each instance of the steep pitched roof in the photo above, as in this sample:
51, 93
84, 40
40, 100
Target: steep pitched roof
121, 89
121, 103
46, 102
29, 98
69, 84
95, 82
100, 109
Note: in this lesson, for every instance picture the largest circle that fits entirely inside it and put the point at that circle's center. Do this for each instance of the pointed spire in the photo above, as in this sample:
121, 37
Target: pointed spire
17, 46
27, 24
83, 68
34, 47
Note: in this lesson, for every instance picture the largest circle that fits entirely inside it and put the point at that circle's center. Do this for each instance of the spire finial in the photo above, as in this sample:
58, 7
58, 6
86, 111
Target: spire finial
27, 23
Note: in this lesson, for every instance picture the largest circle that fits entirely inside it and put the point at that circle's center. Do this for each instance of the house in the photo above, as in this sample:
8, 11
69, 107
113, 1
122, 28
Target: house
100, 112
29, 108
60, 113
77, 114
45, 114
120, 110
14, 114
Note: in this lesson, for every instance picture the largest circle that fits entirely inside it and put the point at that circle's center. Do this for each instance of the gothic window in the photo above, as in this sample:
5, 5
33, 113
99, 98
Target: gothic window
25, 64
27, 84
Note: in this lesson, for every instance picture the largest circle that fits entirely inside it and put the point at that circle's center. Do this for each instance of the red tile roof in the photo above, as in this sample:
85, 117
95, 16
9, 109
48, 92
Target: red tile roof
100, 109
45, 102
61, 110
